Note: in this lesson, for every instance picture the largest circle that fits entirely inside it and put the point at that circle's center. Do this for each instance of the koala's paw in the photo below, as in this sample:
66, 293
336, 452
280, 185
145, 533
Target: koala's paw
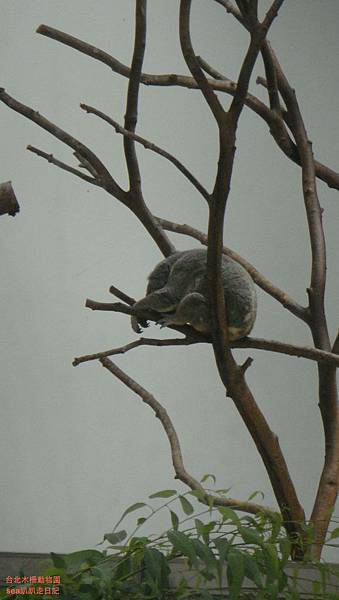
138, 326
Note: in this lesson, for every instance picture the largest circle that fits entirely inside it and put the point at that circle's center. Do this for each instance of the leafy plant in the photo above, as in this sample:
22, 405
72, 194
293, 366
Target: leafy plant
219, 550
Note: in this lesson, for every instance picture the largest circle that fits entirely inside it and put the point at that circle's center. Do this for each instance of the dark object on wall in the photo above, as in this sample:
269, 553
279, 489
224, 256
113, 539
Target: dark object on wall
8, 202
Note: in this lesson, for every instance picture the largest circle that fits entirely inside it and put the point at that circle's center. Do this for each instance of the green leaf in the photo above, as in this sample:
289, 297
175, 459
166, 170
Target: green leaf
186, 505
205, 554
250, 536
156, 567
223, 491
132, 508
183, 545
81, 559
228, 514
223, 546
272, 562
115, 537
199, 494
174, 520
204, 529
141, 521
285, 549
334, 534
235, 573
208, 476
164, 494
252, 570
256, 493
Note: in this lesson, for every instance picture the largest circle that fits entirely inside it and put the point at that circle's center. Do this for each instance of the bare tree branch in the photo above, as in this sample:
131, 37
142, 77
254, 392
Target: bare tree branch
149, 146
108, 306
84, 164
104, 177
328, 396
186, 341
230, 8
230, 373
279, 133
8, 201
131, 116
121, 295
313, 354
319, 356
177, 458
193, 65
51, 159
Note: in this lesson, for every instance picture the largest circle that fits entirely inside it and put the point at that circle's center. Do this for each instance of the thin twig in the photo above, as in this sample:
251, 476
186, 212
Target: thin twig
136, 344
177, 458
149, 146
84, 164
121, 295
58, 163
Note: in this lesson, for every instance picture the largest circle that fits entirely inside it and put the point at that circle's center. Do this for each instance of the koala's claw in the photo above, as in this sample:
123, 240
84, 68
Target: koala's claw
138, 326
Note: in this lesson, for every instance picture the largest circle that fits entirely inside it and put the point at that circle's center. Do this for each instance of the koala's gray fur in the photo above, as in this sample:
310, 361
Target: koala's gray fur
178, 290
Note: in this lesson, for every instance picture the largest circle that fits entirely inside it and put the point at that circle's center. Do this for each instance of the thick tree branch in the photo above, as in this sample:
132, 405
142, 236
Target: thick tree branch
328, 396
149, 146
231, 374
131, 116
177, 458
258, 33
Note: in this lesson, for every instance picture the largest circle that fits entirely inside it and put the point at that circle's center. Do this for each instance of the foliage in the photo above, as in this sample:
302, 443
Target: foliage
217, 547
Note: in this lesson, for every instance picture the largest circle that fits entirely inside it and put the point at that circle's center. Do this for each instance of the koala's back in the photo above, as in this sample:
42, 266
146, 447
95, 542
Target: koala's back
158, 278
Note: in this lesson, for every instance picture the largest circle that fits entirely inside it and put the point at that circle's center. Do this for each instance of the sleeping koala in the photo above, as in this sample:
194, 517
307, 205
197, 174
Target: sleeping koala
178, 291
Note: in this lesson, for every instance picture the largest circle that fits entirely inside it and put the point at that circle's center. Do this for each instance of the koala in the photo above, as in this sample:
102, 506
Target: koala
178, 291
